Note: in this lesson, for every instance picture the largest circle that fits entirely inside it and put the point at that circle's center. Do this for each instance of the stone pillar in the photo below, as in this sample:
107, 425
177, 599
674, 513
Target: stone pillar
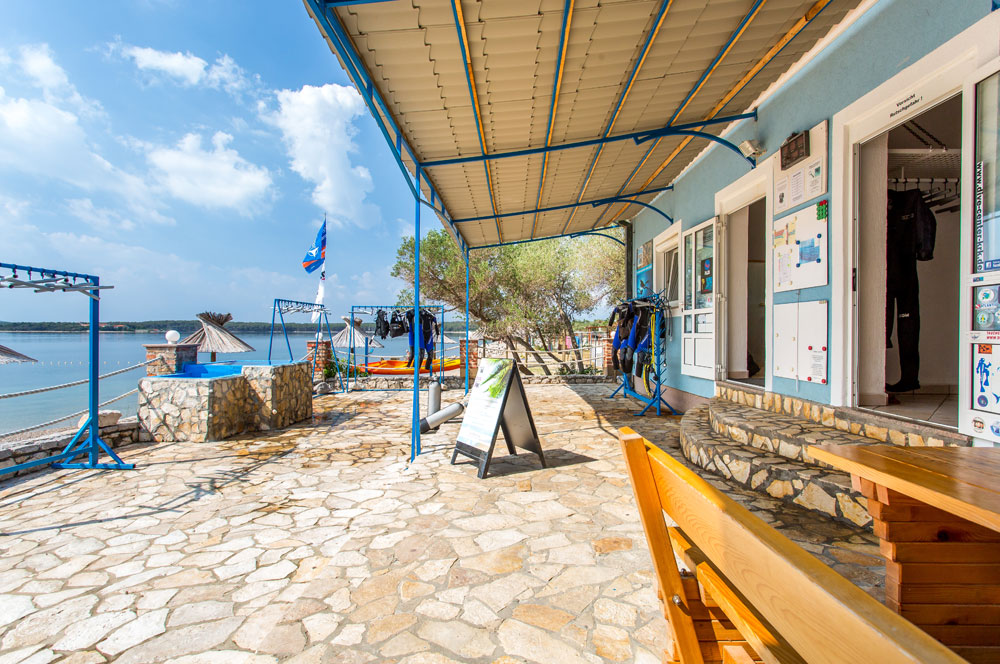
325, 356
470, 360
609, 368
171, 358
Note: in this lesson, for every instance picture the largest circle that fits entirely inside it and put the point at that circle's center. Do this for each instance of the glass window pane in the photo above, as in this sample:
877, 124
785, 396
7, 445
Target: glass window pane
705, 267
687, 323
704, 323
671, 274
688, 270
986, 185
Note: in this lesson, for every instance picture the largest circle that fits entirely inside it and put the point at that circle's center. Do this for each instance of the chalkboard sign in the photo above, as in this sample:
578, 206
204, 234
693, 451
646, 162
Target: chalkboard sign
497, 400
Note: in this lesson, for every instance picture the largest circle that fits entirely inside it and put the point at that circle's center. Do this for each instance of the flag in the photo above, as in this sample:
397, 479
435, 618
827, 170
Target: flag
317, 253
319, 249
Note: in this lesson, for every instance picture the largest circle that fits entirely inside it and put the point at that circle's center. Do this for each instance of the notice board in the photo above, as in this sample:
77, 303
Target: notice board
799, 244
800, 341
497, 400
805, 179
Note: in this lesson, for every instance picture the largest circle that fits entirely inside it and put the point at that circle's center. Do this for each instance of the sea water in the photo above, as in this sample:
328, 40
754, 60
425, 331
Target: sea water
62, 358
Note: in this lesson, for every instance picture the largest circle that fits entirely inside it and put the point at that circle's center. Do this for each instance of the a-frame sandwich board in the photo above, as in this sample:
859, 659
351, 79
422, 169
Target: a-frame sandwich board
497, 400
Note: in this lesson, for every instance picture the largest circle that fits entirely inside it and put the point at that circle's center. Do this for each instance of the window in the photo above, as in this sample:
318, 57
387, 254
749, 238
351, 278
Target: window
699, 267
671, 258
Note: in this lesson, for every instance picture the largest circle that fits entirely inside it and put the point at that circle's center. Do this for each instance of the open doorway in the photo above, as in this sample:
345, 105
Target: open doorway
746, 275
909, 267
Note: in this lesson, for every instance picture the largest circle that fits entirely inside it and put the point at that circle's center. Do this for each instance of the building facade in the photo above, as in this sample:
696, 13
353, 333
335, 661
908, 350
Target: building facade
858, 264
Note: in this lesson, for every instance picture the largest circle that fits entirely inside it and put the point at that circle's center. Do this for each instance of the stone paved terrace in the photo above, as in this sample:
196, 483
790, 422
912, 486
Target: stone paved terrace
320, 543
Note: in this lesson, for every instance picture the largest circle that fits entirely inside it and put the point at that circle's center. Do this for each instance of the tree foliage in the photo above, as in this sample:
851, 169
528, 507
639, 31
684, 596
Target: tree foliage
518, 293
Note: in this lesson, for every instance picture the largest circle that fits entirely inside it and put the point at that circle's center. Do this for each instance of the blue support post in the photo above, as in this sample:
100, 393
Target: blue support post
466, 365
95, 363
270, 339
284, 330
415, 424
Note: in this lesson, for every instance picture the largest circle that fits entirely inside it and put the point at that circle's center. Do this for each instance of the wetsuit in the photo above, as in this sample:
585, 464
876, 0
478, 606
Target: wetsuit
625, 313
381, 324
910, 231
428, 329
638, 338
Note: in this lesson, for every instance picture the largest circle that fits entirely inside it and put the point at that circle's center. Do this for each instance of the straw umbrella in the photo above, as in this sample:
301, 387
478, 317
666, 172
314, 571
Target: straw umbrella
214, 338
359, 338
11, 356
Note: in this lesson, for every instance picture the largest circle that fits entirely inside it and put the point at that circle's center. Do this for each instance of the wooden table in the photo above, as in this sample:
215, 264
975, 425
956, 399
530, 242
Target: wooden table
936, 512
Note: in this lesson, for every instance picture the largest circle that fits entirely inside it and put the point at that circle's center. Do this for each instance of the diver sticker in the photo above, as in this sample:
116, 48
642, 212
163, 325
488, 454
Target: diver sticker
986, 379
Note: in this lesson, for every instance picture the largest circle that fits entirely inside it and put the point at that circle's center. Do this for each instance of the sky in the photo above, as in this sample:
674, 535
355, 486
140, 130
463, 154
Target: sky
186, 152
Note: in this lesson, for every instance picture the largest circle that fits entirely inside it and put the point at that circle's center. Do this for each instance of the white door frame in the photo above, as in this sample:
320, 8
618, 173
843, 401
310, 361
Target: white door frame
737, 195
934, 78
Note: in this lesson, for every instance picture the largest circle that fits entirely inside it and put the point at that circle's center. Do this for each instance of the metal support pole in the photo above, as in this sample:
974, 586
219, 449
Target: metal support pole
270, 339
95, 356
467, 363
417, 338
351, 369
441, 354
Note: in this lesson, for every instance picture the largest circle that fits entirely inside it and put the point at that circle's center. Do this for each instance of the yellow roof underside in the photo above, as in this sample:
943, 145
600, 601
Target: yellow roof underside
412, 52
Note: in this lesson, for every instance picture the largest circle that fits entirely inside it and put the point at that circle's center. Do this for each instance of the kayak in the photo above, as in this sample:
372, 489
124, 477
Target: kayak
400, 368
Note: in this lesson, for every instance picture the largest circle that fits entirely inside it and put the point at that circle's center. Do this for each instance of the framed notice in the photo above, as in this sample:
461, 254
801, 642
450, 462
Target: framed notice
802, 176
497, 401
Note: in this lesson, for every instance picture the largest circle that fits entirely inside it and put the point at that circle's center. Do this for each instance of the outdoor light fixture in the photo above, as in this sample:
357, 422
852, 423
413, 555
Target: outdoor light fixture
173, 336
751, 149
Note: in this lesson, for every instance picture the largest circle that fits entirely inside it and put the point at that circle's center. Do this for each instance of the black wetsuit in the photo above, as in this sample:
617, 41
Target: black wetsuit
910, 232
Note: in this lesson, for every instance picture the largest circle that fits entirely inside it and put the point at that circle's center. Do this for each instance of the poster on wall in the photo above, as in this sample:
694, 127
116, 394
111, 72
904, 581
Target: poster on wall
644, 269
799, 245
804, 179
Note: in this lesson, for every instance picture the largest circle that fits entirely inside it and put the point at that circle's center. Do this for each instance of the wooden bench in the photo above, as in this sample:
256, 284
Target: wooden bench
749, 593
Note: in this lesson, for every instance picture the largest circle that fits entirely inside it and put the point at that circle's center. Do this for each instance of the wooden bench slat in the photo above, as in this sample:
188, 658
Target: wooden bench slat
940, 552
736, 655
822, 615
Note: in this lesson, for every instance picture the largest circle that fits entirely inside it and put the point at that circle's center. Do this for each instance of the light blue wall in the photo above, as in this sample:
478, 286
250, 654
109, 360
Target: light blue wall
888, 38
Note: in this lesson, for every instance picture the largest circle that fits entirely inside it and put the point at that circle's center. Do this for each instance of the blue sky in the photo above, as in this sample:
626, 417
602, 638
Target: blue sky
186, 152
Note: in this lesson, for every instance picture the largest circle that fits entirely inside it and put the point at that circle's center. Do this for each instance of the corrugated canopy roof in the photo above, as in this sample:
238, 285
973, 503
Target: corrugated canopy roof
462, 79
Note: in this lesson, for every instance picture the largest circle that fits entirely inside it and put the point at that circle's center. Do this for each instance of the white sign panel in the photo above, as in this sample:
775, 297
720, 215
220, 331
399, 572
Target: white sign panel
804, 180
800, 341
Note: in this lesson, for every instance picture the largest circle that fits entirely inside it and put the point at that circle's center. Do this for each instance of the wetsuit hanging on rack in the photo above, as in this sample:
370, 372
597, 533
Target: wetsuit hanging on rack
381, 324
428, 330
638, 342
625, 313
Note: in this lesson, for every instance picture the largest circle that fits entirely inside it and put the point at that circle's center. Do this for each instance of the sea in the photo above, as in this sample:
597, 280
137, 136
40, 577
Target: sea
62, 358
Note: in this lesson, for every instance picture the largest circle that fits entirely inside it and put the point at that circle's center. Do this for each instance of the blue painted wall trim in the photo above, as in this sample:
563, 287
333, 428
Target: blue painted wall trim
888, 38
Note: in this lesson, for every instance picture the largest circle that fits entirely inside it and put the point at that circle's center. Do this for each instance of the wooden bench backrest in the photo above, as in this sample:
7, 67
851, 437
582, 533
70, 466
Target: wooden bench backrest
818, 613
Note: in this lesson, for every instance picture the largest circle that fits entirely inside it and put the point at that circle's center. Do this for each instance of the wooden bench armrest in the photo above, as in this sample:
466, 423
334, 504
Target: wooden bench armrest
825, 618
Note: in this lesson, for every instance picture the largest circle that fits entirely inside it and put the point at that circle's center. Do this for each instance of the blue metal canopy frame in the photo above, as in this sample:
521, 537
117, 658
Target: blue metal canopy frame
323, 12
48, 281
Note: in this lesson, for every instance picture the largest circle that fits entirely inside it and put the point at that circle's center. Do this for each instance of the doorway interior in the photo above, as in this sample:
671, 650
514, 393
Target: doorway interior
746, 292
908, 268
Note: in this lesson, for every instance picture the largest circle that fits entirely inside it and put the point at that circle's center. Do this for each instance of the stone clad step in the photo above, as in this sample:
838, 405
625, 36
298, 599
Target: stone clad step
826, 491
784, 435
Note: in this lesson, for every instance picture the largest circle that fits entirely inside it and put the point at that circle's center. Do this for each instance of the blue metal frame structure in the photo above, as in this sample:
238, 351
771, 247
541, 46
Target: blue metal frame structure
59, 280
282, 307
329, 23
368, 309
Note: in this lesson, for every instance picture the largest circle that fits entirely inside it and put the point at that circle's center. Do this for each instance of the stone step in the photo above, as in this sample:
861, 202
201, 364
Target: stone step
785, 435
882, 428
808, 485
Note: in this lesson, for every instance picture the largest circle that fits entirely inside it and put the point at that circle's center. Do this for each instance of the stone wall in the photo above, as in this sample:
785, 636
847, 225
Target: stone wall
174, 408
230, 409
458, 382
261, 398
279, 395
170, 358
126, 431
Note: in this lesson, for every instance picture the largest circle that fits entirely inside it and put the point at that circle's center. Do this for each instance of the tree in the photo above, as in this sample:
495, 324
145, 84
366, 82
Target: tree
518, 292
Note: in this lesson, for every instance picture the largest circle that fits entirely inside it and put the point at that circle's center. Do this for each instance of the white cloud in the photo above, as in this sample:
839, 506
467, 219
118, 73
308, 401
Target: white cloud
215, 178
316, 123
38, 65
98, 217
188, 69
185, 67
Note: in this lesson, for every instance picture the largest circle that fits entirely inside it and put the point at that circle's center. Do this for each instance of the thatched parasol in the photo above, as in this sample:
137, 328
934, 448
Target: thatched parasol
214, 338
476, 335
11, 356
342, 339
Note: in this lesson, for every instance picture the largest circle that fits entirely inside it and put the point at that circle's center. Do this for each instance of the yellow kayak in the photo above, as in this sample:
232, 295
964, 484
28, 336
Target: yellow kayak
400, 368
